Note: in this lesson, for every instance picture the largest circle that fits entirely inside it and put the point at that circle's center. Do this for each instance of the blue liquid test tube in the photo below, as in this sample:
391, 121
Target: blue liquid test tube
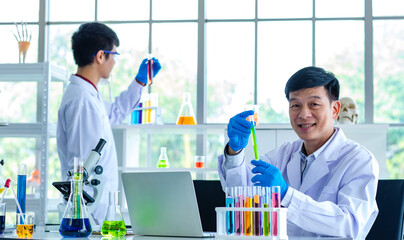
22, 186
230, 214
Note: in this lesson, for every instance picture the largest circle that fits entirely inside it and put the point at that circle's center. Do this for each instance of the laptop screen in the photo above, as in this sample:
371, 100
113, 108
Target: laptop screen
162, 203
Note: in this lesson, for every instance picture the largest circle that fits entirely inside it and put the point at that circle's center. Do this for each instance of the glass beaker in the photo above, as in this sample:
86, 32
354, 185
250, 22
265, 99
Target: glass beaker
25, 225
163, 159
199, 161
2, 217
113, 225
186, 115
75, 221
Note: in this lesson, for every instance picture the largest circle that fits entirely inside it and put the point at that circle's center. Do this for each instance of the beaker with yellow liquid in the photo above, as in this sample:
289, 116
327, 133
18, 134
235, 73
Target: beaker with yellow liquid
186, 115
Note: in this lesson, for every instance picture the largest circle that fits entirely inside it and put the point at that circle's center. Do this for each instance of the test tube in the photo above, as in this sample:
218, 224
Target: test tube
230, 214
257, 214
276, 203
22, 186
248, 214
266, 201
150, 69
140, 114
239, 202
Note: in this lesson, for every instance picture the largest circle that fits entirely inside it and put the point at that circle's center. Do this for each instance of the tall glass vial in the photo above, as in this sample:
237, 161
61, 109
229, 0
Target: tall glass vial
230, 221
186, 115
163, 159
22, 186
113, 225
75, 221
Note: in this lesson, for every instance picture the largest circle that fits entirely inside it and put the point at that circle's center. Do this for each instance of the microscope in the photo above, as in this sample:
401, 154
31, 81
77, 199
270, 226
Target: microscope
92, 178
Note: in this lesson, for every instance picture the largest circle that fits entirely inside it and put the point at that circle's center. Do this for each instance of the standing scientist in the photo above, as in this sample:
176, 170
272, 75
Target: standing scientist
84, 117
328, 182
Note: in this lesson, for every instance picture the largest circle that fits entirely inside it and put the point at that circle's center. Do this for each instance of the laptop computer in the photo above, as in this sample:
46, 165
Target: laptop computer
163, 204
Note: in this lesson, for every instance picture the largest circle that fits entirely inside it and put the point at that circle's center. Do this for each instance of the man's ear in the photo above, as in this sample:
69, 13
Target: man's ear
99, 57
336, 107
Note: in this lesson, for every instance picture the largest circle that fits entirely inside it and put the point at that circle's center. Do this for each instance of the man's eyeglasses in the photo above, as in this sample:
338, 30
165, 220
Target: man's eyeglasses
113, 53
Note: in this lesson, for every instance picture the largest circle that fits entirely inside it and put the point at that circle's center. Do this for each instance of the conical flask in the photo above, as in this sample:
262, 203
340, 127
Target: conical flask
113, 225
163, 159
75, 221
186, 115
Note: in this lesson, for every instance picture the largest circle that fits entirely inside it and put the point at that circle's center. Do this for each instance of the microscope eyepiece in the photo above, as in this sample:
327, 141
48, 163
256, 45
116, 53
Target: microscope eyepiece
100, 145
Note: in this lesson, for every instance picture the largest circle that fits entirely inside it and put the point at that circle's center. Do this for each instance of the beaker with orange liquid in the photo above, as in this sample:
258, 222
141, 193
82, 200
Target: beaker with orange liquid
186, 115
25, 225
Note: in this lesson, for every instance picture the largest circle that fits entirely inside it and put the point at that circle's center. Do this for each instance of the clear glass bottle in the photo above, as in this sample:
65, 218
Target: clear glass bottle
186, 115
163, 159
113, 225
75, 221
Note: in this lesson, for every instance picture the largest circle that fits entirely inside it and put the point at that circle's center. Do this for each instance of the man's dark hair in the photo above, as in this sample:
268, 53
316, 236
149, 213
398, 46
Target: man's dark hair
310, 77
89, 39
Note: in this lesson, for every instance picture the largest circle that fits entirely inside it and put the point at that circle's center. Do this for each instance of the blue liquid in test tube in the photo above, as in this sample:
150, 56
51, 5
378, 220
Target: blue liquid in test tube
22, 186
230, 220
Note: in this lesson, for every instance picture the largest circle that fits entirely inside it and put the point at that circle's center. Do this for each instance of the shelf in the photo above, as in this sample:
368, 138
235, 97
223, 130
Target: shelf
173, 129
21, 130
35, 71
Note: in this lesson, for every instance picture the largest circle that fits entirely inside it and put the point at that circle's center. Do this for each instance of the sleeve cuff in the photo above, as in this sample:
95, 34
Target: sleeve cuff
232, 161
288, 197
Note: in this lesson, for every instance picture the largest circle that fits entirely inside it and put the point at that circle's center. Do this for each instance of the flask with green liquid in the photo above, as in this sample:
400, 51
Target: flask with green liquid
163, 159
113, 225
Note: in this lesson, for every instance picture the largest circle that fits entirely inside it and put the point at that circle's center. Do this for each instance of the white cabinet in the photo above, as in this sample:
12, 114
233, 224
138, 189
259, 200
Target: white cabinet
37, 76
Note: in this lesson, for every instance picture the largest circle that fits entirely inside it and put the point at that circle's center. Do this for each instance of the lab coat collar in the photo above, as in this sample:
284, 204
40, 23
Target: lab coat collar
83, 84
319, 167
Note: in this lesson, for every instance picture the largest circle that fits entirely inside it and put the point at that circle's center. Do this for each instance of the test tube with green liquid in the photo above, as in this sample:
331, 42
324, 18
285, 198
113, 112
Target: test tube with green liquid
254, 139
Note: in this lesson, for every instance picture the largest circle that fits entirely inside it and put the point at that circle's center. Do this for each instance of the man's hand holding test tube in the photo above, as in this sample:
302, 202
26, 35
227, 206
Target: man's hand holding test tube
238, 131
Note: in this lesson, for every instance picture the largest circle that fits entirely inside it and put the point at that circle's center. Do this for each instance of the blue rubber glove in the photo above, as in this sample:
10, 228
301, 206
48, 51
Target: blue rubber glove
238, 130
269, 176
142, 73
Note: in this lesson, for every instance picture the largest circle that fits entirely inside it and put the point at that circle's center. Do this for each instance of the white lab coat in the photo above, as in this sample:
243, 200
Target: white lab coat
337, 195
83, 119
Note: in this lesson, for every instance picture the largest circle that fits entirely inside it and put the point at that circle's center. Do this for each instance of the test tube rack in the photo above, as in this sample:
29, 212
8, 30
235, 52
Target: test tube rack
221, 223
154, 117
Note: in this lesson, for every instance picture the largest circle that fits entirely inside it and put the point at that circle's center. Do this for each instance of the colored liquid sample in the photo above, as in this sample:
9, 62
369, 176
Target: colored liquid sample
2, 224
75, 227
140, 113
257, 217
25, 231
162, 164
254, 138
276, 203
1, 190
186, 120
199, 164
150, 71
266, 221
148, 116
21, 191
248, 217
230, 216
239, 216
113, 229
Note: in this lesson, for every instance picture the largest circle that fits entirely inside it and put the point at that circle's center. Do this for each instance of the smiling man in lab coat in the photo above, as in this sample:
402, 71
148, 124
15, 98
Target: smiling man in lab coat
84, 117
328, 182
